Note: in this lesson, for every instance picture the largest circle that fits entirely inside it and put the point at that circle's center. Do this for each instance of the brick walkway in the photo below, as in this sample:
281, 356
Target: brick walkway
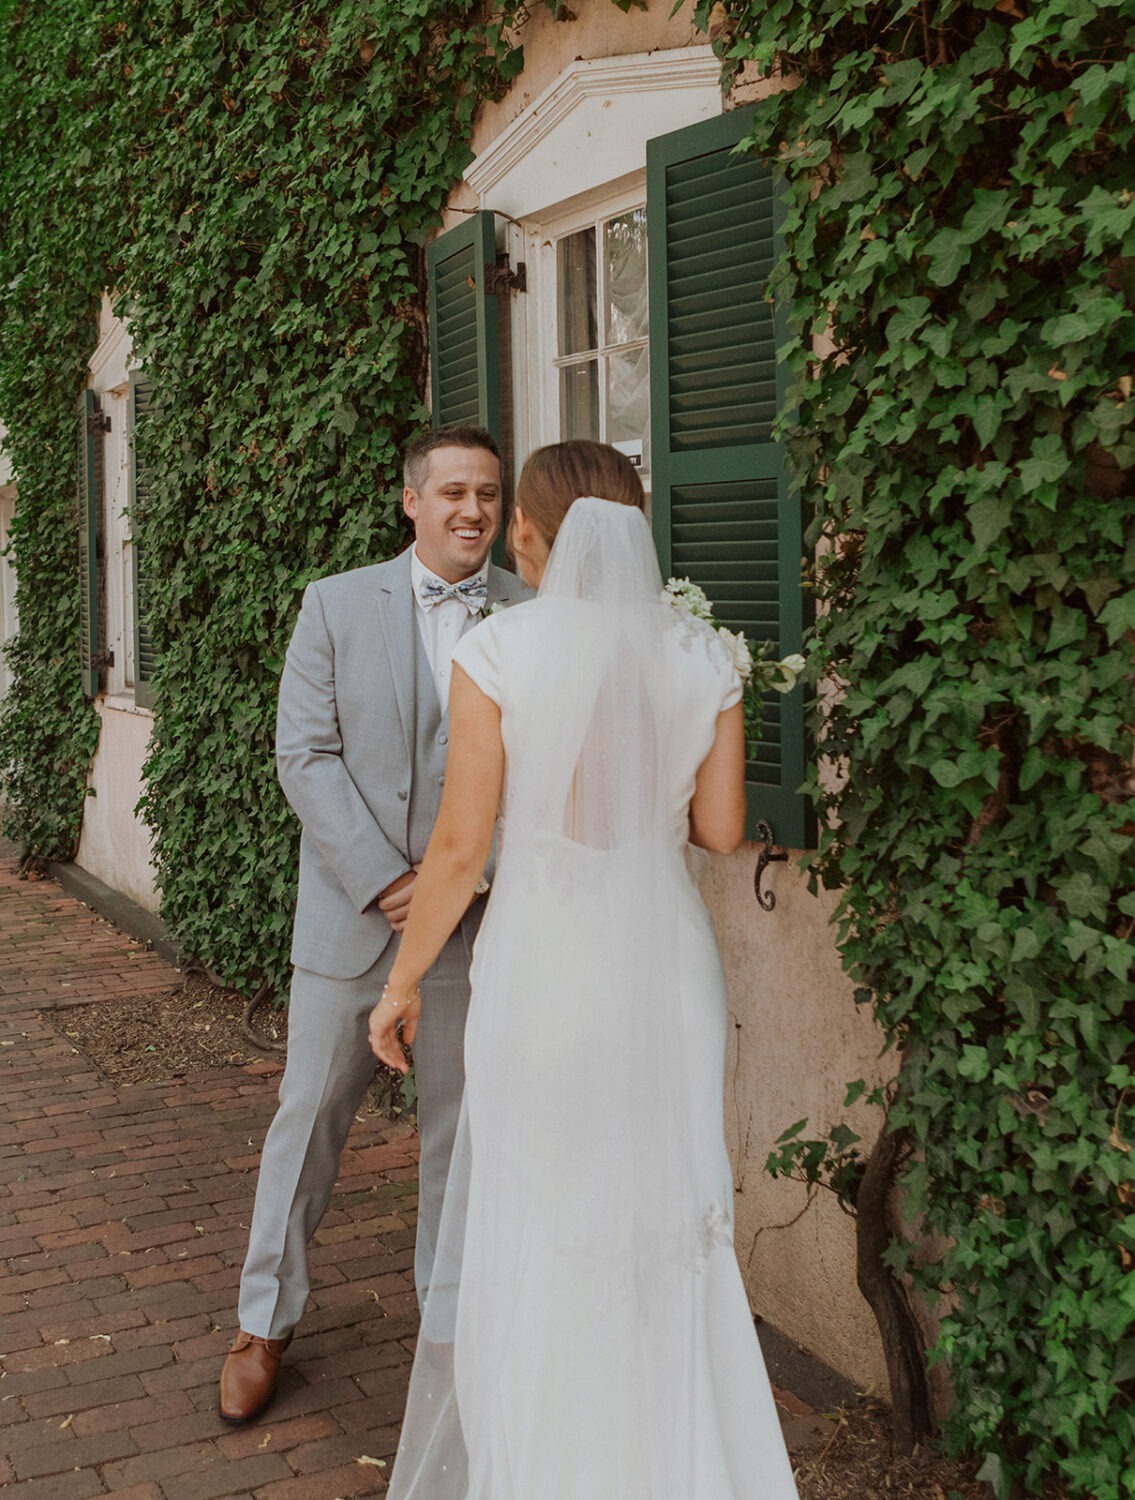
123, 1223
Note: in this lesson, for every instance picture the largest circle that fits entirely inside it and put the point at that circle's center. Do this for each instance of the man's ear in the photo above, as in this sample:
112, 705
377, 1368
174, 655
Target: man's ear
410, 503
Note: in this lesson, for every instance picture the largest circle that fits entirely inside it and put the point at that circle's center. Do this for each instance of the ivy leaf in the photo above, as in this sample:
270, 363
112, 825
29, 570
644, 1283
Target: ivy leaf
1026, 944
1124, 1367
1083, 896
1118, 616
974, 1064
988, 212
949, 254
1068, 626
1049, 462
988, 518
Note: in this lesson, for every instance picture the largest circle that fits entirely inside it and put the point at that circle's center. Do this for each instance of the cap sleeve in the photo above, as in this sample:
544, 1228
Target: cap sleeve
728, 679
478, 654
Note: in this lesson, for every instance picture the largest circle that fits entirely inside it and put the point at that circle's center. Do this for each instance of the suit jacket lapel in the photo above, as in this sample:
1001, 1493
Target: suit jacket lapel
504, 587
396, 627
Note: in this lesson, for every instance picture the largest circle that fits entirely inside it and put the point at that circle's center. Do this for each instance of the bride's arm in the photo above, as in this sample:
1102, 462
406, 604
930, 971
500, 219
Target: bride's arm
717, 808
454, 861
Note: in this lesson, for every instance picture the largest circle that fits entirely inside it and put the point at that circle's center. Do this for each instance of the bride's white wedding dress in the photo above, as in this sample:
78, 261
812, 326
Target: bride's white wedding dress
587, 1334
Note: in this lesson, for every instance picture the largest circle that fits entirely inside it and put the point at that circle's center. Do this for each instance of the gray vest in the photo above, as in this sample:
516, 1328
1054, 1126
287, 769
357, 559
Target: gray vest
431, 736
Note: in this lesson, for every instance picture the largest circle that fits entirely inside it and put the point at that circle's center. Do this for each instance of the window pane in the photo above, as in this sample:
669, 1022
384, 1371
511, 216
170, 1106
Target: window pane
575, 254
579, 400
624, 249
628, 403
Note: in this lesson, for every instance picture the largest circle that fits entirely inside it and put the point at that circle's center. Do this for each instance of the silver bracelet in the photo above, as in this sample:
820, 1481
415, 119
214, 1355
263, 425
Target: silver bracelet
415, 994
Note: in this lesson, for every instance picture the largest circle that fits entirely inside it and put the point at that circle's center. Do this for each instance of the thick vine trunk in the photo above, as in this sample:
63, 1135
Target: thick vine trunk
903, 1345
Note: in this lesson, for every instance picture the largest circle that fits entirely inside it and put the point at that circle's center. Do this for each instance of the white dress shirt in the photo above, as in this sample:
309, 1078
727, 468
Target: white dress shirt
442, 625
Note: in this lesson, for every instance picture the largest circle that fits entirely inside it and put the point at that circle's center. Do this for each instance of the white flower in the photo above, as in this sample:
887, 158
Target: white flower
688, 598
739, 648
789, 668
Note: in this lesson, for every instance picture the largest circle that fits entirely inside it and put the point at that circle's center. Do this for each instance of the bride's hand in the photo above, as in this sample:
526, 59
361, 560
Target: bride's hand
394, 1009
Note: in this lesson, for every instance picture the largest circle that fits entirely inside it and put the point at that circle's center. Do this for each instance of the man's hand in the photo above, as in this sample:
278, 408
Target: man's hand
394, 901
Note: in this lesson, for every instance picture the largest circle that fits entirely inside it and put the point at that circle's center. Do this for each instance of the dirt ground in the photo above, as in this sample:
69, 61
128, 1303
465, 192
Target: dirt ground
840, 1455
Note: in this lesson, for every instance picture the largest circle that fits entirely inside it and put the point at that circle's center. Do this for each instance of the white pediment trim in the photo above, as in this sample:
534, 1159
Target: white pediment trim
109, 363
592, 124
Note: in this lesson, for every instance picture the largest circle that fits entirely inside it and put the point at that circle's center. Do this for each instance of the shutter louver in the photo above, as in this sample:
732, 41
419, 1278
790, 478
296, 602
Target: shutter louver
724, 515
464, 343
141, 393
88, 496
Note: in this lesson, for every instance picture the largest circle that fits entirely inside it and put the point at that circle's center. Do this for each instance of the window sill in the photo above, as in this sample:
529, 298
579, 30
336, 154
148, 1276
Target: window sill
123, 703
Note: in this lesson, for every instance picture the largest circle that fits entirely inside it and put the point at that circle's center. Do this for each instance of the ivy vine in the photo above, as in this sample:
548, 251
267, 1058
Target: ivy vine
258, 179
961, 237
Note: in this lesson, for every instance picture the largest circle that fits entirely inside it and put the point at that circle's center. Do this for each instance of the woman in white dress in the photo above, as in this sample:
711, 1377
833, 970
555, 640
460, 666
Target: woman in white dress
586, 1335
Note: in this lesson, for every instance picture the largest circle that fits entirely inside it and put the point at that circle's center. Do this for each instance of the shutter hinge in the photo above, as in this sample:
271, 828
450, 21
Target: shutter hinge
504, 279
98, 421
99, 661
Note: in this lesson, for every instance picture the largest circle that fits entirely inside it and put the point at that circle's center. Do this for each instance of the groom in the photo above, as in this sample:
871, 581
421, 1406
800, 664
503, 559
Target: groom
360, 748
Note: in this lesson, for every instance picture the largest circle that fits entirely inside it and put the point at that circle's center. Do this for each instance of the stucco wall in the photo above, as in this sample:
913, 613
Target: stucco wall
599, 30
115, 843
797, 1037
797, 1040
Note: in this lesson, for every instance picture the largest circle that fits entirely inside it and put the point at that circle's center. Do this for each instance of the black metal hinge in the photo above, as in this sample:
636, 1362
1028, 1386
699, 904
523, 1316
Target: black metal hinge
98, 422
505, 279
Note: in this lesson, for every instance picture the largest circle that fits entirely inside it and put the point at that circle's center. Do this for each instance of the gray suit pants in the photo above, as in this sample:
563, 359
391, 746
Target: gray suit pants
329, 1067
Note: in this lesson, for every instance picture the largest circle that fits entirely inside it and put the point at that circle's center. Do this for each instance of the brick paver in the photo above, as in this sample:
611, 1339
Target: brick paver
123, 1223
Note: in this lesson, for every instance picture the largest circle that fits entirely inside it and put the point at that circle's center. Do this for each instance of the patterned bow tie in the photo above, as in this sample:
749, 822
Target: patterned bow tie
473, 593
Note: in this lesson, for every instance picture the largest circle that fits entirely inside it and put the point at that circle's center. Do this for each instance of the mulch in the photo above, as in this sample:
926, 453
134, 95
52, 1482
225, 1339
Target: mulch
194, 1027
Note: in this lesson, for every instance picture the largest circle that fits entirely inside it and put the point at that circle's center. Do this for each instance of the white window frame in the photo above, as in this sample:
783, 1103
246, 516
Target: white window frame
109, 366
8, 621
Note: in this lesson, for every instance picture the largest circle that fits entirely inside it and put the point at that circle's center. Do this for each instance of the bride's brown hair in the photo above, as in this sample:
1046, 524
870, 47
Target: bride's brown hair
555, 476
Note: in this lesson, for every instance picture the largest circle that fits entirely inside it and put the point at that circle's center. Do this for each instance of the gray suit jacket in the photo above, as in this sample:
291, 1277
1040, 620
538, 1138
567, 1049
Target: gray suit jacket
345, 741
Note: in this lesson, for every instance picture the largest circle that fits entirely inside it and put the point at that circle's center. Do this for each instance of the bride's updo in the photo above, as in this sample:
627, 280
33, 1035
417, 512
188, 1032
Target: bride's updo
556, 476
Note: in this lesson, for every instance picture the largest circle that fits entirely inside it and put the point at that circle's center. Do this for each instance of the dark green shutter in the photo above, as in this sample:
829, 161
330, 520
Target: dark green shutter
724, 514
88, 495
140, 396
464, 342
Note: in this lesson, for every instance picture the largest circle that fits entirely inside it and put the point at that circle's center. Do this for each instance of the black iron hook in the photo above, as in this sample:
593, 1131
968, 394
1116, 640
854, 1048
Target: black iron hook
766, 900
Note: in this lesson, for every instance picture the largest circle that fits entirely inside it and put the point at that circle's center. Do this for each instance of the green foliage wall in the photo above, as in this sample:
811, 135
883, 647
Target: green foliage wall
259, 180
48, 731
963, 231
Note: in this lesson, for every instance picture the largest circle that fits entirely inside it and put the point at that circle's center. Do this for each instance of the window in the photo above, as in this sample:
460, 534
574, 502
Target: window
116, 656
682, 361
7, 571
603, 319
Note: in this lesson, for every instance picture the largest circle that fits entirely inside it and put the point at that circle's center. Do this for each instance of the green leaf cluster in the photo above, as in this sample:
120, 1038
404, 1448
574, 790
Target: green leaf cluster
256, 181
961, 274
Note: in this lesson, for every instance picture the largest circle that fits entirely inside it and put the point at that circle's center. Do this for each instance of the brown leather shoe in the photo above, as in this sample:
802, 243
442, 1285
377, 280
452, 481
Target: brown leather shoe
249, 1375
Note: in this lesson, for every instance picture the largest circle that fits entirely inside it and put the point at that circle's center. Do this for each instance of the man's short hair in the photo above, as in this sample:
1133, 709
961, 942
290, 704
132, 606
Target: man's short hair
416, 460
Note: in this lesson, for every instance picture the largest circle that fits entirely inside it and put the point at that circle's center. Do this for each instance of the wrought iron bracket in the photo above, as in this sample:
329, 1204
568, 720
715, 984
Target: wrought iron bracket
766, 900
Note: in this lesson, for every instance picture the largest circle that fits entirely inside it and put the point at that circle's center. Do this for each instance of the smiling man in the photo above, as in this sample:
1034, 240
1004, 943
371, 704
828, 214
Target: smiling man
361, 737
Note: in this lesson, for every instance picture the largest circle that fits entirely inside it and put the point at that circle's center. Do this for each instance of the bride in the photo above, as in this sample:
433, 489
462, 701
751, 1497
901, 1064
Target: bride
586, 1335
